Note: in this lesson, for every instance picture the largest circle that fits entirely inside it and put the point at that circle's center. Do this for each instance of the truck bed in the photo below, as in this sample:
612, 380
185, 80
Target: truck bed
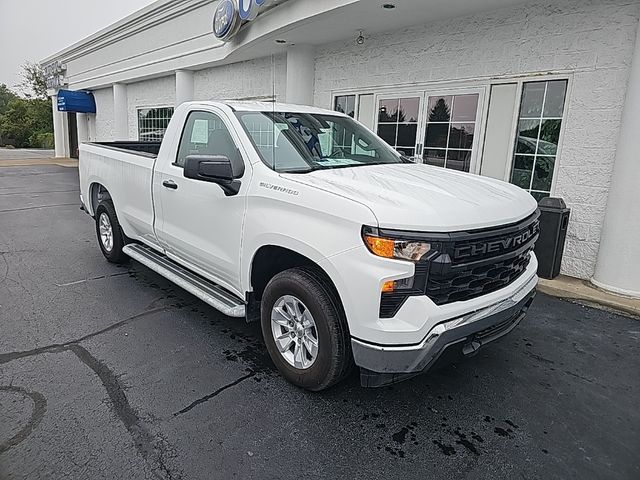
125, 170
150, 149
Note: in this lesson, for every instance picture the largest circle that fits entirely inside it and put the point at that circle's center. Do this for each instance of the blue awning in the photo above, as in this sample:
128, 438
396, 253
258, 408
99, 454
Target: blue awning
79, 102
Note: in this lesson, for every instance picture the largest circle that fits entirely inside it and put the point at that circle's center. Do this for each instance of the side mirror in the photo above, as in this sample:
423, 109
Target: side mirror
212, 168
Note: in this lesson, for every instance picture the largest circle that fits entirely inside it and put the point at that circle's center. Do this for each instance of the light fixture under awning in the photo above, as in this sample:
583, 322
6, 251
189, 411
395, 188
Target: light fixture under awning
78, 101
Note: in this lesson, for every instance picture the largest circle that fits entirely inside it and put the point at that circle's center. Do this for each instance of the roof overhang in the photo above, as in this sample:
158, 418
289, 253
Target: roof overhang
171, 35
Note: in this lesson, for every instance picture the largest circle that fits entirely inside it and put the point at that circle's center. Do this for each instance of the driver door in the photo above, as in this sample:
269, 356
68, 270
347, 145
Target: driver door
200, 226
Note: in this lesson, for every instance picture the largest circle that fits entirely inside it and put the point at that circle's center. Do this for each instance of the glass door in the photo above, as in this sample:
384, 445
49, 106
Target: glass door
451, 129
398, 120
435, 127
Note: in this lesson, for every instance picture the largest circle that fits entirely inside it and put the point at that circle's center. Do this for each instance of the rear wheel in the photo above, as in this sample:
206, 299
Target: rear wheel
305, 330
110, 236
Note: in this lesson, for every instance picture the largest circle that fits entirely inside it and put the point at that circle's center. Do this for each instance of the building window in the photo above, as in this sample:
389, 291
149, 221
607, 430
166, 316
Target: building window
538, 135
451, 126
398, 123
346, 104
153, 123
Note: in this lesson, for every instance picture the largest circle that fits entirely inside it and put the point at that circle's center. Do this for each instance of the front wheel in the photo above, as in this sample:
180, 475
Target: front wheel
305, 329
110, 236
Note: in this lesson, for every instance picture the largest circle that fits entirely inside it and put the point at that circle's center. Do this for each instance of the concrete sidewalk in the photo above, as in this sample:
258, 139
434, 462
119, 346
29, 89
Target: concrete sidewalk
583, 291
25, 162
24, 153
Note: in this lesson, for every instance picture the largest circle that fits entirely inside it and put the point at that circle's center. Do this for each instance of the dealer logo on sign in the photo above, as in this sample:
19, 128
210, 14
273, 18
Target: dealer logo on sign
231, 14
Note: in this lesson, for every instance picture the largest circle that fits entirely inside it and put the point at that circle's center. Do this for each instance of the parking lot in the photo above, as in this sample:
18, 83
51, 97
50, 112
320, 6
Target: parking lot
113, 372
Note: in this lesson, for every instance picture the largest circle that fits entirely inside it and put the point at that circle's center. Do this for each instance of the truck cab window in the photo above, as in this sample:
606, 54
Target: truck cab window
205, 134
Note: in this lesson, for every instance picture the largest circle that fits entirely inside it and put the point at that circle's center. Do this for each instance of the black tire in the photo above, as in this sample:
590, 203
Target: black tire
334, 358
115, 254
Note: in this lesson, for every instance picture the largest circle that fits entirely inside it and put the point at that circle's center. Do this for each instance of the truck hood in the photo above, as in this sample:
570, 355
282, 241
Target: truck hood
425, 198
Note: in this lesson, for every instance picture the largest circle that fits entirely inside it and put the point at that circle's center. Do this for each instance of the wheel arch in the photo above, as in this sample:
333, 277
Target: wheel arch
269, 260
97, 193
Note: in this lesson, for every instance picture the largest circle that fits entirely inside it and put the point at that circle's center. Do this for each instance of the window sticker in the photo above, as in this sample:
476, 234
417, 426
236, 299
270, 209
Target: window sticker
326, 139
200, 131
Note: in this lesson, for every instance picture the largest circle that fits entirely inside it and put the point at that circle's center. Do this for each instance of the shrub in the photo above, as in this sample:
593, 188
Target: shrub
42, 140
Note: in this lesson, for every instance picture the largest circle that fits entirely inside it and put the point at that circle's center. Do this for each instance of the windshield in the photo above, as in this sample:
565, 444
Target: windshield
303, 142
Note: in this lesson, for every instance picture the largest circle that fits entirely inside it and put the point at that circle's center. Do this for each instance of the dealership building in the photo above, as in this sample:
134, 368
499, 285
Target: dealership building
543, 94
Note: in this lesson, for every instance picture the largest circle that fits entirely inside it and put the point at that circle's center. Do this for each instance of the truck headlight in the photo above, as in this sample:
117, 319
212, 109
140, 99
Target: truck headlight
401, 249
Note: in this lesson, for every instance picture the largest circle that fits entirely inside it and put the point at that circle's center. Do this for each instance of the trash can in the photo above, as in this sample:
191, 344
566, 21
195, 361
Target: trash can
554, 220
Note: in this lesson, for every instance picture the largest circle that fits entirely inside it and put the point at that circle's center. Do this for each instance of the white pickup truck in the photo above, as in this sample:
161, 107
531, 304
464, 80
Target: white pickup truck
347, 252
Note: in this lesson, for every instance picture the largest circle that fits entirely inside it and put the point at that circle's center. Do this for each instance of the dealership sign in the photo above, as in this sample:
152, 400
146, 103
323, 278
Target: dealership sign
54, 74
230, 15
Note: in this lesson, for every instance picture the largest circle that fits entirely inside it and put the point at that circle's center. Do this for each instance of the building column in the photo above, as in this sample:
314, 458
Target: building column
82, 119
184, 86
300, 75
120, 112
59, 129
618, 267
91, 126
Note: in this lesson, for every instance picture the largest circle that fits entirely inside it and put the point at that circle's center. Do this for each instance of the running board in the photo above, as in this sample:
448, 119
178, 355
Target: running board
205, 290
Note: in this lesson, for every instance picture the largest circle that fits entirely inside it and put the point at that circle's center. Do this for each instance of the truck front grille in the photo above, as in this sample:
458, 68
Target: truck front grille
475, 263
466, 265
474, 281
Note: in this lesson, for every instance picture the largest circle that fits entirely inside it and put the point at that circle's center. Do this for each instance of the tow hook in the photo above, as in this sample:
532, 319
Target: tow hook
471, 348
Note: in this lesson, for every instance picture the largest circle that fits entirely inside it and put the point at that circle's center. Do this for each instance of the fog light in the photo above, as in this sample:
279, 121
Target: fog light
388, 287
393, 285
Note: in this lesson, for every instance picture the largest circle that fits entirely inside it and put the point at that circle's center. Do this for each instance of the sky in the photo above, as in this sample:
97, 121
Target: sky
31, 30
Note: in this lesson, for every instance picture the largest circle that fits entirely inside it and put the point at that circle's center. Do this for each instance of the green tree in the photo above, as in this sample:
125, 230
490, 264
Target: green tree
440, 112
27, 122
33, 84
6, 96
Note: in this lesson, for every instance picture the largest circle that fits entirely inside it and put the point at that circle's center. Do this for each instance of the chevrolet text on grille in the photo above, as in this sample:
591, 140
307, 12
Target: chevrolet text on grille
496, 246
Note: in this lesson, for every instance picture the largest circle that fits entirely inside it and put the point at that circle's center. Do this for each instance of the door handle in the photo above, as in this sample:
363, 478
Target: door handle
170, 184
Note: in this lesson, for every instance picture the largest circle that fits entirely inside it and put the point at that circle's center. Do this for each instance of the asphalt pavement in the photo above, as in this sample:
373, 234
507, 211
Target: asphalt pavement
112, 372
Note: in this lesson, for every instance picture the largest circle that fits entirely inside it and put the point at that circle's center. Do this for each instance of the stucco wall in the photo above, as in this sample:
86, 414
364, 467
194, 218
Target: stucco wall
591, 40
158, 92
254, 78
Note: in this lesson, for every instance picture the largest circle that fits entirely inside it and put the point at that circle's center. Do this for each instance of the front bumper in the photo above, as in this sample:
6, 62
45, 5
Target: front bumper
384, 364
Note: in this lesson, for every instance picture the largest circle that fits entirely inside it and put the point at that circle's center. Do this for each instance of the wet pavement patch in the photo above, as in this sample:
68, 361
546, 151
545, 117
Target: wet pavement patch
22, 412
447, 450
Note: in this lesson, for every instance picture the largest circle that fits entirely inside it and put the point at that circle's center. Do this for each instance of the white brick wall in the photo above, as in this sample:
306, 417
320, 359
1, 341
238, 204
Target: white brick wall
101, 126
253, 78
158, 92
593, 40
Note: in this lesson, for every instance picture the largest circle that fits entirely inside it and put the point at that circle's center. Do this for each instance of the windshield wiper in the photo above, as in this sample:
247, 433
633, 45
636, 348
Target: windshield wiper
300, 170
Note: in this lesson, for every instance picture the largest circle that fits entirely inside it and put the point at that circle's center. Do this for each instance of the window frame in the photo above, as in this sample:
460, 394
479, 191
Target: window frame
230, 130
356, 98
520, 81
401, 95
479, 123
152, 107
